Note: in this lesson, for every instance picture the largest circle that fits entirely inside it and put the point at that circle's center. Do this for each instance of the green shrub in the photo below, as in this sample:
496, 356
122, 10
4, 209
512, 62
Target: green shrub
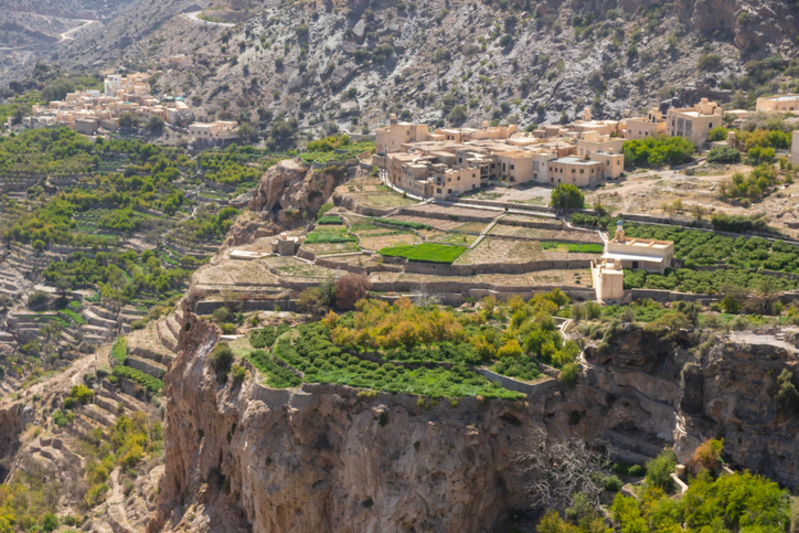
265, 337
656, 152
279, 377
137, 324
82, 394
570, 373
330, 220
150, 383
59, 419
611, 484
221, 359
238, 373
659, 470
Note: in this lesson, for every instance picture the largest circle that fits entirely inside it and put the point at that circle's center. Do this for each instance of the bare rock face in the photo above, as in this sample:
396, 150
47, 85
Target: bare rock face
739, 403
292, 186
322, 459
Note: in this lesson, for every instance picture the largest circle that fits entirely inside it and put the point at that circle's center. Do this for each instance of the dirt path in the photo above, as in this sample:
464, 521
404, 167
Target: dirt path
67, 35
195, 17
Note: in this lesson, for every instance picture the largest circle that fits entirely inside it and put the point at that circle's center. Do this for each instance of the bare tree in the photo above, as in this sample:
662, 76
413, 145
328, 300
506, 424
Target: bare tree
422, 297
554, 470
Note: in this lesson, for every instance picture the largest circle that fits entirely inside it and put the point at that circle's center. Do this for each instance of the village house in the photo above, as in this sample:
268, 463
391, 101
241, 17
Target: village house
694, 123
652, 125
650, 255
87, 111
218, 132
781, 103
392, 137
574, 171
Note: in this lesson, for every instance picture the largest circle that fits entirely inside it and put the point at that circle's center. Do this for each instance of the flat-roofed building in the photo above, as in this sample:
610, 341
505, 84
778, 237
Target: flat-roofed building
392, 137
650, 255
574, 171
515, 166
694, 123
216, 132
652, 125
608, 278
781, 103
454, 181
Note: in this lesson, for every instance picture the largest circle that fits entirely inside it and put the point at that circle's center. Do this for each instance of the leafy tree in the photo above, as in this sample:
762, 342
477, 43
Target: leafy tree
659, 470
787, 394
723, 154
718, 133
566, 195
155, 125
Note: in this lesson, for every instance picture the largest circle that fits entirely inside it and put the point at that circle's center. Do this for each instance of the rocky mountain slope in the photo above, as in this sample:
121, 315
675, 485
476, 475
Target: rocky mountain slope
351, 64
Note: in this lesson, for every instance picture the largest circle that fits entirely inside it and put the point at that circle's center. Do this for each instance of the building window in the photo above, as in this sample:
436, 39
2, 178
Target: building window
512, 167
449, 191
582, 171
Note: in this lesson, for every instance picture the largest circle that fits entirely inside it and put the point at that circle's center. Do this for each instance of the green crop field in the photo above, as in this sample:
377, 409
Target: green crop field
426, 252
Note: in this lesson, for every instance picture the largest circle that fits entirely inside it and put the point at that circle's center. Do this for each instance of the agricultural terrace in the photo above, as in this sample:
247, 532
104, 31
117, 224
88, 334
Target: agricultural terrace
739, 261
381, 346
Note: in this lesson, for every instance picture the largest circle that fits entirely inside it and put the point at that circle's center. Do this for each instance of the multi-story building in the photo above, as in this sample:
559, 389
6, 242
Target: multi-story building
694, 123
391, 138
652, 125
781, 103
575, 171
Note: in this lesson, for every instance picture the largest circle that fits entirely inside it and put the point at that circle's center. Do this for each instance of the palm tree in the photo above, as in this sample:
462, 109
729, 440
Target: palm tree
766, 293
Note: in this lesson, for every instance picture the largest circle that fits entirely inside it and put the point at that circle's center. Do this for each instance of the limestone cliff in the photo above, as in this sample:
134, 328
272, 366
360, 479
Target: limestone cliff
322, 459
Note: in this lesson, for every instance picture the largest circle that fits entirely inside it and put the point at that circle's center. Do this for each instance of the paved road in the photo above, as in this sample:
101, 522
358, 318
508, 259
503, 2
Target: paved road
195, 16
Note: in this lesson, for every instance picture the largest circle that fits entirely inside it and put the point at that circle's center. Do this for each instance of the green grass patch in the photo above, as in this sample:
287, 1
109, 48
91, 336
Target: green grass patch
75, 317
402, 223
329, 235
330, 220
573, 248
279, 377
153, 385
74, 304
426, 252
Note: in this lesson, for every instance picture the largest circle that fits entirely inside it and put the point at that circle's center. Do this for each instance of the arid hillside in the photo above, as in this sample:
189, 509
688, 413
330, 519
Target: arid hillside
444, 60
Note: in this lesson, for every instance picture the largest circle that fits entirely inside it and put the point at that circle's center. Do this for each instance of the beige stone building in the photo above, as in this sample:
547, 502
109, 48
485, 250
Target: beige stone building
574, 171
694, 123
214, 133
392, 137
652, 125
781, 103
639, 254
795, 148
608, 278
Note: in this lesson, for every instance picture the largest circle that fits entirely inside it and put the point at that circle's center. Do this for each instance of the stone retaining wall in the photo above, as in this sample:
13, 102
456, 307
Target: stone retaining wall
543, 386
582, 261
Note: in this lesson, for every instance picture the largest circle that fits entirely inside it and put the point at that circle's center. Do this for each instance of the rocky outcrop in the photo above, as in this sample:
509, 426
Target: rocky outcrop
292, 186
323, 459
